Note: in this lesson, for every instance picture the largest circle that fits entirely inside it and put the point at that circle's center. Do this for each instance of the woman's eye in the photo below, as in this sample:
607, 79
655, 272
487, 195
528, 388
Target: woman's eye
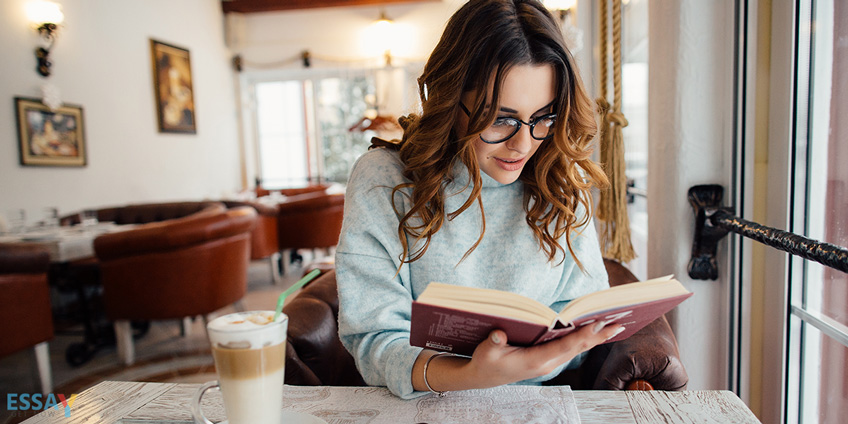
504, 122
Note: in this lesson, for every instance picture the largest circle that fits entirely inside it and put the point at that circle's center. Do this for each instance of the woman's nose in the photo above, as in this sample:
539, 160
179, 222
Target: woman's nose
521, 141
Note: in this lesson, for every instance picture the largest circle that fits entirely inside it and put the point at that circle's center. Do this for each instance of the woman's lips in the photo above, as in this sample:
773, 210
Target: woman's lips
510, 164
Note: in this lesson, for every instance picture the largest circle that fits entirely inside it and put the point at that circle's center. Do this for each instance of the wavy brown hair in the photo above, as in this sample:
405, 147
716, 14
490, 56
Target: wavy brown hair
483, 40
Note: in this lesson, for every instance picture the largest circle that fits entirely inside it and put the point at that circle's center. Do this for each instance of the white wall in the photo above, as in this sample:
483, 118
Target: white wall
101, 61
690, 133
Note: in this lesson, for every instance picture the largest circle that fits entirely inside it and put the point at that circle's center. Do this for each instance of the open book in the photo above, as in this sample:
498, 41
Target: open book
456, 319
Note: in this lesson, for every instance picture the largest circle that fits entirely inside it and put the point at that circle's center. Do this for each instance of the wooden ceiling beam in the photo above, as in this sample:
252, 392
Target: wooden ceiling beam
257, 6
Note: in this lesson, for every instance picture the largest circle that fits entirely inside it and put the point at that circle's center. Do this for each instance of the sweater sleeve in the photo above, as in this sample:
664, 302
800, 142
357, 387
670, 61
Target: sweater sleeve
374, 298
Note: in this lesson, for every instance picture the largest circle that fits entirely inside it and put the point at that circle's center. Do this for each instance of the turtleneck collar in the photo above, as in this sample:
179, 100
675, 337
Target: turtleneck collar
461, 178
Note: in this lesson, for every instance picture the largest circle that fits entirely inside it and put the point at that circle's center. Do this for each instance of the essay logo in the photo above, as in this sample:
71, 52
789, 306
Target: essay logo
37, 402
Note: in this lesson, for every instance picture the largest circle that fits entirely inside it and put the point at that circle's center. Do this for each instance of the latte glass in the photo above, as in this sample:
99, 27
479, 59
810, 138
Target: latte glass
249, 349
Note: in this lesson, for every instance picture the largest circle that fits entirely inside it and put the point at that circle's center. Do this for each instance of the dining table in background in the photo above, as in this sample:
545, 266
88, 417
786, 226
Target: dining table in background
74, 270
64, 243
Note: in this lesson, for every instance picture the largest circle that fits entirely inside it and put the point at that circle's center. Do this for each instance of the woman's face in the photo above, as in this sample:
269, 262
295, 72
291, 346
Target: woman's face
527, 93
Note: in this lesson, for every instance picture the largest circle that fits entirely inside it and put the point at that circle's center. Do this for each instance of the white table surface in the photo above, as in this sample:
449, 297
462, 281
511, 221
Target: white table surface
65, 243
131, 402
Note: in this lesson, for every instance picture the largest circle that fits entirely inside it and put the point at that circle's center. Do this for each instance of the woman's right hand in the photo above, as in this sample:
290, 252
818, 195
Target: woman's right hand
494, 362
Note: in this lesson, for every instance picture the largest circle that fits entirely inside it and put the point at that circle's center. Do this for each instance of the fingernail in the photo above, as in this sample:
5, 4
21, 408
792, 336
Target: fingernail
598, 327
495, 338
617, 332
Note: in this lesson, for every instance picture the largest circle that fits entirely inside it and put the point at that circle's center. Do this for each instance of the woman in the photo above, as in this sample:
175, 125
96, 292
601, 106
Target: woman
489, 188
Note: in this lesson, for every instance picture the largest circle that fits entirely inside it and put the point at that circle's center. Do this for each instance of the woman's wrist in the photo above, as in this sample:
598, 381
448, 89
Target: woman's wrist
444, 373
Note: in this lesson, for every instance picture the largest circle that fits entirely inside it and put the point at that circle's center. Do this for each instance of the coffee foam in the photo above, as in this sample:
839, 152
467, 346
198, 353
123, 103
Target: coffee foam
247, 330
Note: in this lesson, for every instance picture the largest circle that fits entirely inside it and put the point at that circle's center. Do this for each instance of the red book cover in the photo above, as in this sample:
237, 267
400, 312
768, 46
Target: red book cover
459, 331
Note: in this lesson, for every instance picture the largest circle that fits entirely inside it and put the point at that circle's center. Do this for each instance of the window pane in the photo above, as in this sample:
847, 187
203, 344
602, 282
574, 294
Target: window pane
827, 289
340, 104
282, 133
824, 393
823, 359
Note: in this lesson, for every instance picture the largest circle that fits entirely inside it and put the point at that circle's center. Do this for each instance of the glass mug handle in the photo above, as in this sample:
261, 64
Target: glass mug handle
195, 401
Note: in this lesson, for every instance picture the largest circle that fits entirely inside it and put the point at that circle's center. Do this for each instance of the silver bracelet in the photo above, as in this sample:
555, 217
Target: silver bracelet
426, 364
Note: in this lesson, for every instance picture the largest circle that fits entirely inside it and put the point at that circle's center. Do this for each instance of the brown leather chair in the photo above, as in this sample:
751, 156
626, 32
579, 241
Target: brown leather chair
646, 360
148, 212
173, 269
264, 239
25, 306
310, 221
292, 191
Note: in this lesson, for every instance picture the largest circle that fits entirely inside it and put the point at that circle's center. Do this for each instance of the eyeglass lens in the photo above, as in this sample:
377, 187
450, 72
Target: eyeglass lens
504, 128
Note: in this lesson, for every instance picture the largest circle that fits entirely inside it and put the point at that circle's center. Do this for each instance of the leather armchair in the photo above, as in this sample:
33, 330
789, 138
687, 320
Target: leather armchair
293, 191
646, 360
148, 212
172, 269
310, 221
264, 239
25, 306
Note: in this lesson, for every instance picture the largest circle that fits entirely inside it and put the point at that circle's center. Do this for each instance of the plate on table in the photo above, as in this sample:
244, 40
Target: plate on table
294, 417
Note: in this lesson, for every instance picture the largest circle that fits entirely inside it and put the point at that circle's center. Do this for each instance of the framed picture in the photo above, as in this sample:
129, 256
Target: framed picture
50, 137
172, 85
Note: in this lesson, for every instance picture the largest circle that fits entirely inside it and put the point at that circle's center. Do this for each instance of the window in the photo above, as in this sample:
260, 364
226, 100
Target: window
808, 191
302, 128
281, 130
818, 295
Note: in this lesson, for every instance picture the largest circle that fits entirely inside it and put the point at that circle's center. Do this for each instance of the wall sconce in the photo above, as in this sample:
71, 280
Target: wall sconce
384, 34
573, 35
45, 17
563, 6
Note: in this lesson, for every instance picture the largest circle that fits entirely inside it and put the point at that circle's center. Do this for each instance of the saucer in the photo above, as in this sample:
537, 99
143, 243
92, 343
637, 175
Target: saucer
294, 417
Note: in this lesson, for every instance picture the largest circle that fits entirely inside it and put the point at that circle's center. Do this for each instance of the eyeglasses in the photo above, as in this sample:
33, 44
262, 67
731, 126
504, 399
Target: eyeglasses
504, 128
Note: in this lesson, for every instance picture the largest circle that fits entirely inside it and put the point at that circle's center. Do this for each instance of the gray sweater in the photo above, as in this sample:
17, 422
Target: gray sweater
375, 300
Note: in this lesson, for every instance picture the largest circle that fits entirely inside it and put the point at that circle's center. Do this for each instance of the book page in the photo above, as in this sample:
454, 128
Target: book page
488, 301
621, 296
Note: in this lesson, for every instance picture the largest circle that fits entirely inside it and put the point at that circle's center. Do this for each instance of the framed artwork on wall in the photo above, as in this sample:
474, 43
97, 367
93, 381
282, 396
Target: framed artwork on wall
50, 137
173, 88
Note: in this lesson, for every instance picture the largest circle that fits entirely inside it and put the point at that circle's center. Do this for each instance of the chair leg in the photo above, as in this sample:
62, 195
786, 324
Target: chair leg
285, 261
276, 268
238, 305
205, 319
185, 326
124, 340
42, 357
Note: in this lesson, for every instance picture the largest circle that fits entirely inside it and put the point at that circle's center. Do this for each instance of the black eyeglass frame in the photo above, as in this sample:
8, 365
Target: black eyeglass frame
531, 124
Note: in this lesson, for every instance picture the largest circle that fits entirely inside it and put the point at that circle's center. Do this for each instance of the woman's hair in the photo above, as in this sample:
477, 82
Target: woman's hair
482, 41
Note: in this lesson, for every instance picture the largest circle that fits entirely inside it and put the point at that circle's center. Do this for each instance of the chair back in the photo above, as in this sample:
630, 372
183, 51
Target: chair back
24, 298
310, 221
148, 212
182, 267
264, 239
314, 354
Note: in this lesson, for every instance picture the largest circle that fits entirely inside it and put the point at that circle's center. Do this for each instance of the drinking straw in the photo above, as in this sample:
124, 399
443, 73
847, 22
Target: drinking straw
306, 278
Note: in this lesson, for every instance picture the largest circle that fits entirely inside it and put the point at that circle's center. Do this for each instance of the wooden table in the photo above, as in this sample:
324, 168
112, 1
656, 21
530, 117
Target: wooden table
130, 402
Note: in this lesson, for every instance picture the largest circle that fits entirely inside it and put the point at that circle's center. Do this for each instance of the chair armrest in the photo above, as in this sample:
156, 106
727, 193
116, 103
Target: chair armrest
649, 356
175, 233
648, 359
315, 355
